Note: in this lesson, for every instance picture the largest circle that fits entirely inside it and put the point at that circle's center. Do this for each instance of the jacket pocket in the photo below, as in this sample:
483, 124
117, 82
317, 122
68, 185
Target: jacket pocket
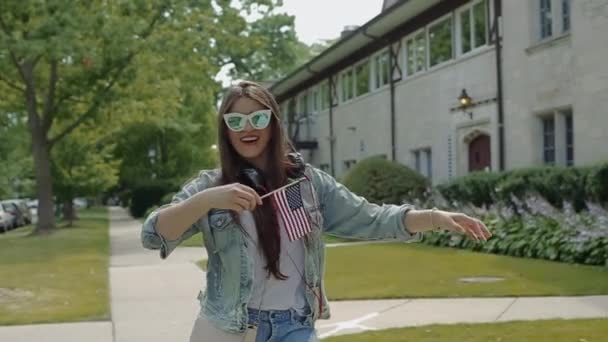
221, 226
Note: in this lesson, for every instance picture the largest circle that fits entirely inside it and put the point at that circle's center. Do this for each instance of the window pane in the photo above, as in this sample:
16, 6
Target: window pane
324, 96
569, 139
440, 41
378, 68
545, 19
385, 68
303, 104
363, 78
411, 57
420, 51
565, 15
479, 13
549, 140
465, 31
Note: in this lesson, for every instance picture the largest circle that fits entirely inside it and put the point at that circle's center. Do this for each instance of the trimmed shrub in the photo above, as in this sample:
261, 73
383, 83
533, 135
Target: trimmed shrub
382, 181
478, 188
597, 183
147, 194
557, 184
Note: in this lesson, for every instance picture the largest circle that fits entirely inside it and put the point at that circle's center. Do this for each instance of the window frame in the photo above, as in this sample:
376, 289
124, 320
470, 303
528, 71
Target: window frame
413, 37
546, 147
355, 77
378, 73
470, 8
569, 134
344, 72
428, 28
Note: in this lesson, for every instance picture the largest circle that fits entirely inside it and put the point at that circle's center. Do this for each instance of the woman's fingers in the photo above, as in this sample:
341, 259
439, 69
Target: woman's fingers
251, 201
465, 223
241, 204
252, 192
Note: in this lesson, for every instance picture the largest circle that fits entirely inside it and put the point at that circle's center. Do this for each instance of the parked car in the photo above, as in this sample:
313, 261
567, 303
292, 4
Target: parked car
13, 208
8, 221
24, 211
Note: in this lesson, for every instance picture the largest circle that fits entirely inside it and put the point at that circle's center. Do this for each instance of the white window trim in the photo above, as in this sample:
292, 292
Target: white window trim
374, 70
369, 80
457, 39
412, 36
350, 70
316, 90
428, 42
557, 21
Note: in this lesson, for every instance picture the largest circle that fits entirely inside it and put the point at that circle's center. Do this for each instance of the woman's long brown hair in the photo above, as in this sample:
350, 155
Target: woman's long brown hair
274, 174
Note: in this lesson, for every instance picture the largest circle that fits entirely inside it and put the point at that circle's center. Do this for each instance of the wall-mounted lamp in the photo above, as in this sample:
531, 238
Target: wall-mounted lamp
465, 102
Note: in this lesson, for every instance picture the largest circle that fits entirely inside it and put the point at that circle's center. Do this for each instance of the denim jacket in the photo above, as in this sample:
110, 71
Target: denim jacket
332, 209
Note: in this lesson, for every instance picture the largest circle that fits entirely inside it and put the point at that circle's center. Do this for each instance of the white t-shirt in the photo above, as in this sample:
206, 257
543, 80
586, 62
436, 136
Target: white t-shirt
279, 294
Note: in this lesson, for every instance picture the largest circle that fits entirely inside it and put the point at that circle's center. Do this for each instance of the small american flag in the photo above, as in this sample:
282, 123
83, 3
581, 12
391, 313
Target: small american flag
291, 211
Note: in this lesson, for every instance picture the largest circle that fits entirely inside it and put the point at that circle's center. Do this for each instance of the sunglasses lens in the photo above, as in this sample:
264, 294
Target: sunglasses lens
260, 120
235, 123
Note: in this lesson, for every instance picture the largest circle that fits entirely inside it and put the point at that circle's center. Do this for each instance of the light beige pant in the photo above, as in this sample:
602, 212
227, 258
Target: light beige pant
204, 331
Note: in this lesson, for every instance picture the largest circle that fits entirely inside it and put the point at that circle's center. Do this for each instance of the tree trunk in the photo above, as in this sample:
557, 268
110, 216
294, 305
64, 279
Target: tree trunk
44, 183
69, 214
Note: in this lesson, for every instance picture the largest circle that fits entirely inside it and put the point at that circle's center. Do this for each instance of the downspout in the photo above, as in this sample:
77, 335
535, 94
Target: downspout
331, 126
392, 87
499, 87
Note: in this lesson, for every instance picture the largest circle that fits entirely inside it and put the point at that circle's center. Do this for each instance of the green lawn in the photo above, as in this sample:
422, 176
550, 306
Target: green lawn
585, 330
414, 270
57, 278
195, 241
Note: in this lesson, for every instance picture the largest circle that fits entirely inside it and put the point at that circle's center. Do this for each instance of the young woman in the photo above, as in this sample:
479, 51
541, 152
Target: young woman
265, 253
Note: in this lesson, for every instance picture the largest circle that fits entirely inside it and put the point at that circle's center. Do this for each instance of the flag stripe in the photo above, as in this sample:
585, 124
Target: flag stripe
291, 212
288, 219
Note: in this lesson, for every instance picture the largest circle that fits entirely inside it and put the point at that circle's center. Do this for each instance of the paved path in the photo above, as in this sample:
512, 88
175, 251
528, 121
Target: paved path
155, 300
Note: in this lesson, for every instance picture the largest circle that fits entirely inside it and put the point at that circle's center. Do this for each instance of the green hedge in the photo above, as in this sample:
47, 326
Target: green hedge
382, 181
535, 236
148, 194
557, 184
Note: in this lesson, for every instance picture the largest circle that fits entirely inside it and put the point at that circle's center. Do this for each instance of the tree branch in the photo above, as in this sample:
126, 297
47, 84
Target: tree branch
11, 84
122, 65
48, 113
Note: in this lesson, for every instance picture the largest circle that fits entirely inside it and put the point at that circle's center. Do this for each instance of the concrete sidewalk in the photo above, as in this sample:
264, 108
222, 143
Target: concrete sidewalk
155, 300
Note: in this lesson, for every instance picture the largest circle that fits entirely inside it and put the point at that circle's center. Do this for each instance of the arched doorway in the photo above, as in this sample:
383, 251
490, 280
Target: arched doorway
479, 153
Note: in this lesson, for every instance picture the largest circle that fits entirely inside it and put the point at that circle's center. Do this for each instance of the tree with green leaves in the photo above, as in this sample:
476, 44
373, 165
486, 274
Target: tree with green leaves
66, 63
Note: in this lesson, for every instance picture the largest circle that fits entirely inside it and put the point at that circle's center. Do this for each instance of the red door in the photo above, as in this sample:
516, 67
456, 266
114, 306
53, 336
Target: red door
479, 154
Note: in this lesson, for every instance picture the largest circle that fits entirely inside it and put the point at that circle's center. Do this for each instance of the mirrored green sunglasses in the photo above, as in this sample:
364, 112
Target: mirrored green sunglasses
258, 120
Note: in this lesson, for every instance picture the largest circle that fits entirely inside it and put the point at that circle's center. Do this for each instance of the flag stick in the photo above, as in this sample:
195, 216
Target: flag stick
283, 187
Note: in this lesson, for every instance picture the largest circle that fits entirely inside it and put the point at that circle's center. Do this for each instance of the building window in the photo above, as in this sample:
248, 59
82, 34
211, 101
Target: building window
415, 53
565, 15
347, 85
348, 164
480, 24
324, 90
303, 105
382, 70
440, 42
569, 138
362, 78
316, 100
546, 19
473, 27
549, 140
423, 162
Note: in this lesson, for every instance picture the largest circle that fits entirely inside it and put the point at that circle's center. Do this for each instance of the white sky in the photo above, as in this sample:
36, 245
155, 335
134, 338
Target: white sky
322, 19
325, 19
